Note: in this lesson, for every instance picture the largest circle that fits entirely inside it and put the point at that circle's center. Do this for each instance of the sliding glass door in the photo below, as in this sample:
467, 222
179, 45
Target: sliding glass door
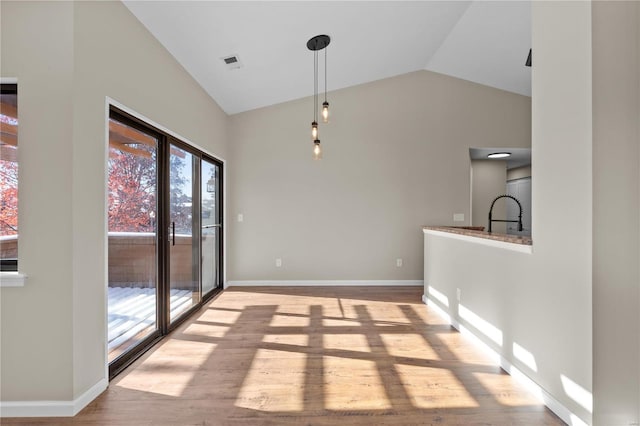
133, 237
184, 266
211, 206
165, 235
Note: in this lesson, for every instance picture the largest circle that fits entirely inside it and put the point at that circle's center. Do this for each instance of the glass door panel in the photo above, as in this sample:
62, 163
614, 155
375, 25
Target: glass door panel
184, 232
132, 237
211, 226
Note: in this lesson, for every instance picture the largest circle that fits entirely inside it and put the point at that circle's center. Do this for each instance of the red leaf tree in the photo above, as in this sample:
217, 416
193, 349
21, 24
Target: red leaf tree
9, 200
132, 191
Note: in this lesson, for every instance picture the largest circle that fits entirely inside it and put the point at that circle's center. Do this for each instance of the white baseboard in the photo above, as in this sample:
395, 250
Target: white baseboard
52, 408
320, 283
545, 397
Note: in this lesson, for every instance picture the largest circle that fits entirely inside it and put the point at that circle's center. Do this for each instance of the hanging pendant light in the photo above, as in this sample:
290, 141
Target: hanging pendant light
317, 150
316, 44
325, 104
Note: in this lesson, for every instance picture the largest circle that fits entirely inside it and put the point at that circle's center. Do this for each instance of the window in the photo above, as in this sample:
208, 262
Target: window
9, 177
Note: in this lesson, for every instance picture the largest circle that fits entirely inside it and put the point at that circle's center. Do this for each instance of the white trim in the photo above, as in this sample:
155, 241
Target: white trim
52, 408
522, 248
105, 207
545, 397
322, 283
12, 279
92, 393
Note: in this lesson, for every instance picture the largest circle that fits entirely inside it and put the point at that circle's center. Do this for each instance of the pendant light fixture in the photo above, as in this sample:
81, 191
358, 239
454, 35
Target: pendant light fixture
316, 44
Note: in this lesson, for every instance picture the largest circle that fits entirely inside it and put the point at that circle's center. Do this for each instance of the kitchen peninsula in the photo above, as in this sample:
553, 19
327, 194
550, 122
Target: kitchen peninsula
478, 233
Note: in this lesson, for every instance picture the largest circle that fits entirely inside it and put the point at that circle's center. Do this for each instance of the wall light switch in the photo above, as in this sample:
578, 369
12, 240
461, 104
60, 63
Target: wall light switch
278, 263
458, 294
240, 217
399, 262
458, 217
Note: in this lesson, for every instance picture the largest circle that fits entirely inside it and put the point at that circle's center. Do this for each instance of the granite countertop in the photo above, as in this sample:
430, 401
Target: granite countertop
478, 231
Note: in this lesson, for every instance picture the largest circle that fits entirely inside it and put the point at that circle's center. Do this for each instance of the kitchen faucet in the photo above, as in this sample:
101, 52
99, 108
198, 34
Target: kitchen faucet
499, 220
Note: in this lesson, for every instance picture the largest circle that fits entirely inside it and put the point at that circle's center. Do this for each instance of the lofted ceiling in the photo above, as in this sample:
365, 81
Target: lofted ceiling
486, 42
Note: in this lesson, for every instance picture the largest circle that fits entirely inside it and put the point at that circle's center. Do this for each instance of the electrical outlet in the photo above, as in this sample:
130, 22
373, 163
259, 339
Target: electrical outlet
458, 217
399, 262
240, 217
278, 263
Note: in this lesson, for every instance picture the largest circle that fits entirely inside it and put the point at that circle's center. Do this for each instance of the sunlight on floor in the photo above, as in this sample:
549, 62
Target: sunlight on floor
342, 392
302, 355
221, 316
385, 313
274, 382
434, 387
169, 375
408, 345
513, 396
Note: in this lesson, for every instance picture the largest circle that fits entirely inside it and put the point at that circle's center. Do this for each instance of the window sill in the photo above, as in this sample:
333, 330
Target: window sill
12, 279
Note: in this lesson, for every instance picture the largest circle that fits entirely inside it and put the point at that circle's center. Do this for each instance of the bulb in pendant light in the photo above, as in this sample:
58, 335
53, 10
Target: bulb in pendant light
325, 111
317, 151
314, 131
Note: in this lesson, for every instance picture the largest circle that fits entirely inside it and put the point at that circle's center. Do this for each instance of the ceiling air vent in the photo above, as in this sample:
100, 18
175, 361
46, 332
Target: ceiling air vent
232, 62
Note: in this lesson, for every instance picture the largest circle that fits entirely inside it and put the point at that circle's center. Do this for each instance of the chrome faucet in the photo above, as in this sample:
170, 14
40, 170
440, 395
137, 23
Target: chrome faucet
491, 220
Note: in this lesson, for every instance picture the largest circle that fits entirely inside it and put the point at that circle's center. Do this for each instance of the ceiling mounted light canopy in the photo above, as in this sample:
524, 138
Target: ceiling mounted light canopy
315, 44
499, 155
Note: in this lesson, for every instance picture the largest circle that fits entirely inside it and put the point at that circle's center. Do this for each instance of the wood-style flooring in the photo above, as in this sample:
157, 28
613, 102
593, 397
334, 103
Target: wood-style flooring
313, 356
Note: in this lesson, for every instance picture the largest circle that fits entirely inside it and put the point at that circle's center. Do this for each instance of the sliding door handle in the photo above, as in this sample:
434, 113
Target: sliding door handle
217, 225
173, 233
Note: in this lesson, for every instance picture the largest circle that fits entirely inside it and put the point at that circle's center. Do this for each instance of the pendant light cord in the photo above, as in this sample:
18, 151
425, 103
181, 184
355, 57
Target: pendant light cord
325, 73
315, 86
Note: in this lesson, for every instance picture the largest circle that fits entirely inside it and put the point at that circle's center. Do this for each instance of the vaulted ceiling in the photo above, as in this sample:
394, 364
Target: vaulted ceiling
482, 41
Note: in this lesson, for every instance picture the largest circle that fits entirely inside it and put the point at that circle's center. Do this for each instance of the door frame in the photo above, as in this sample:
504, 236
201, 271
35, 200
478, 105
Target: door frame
165, 139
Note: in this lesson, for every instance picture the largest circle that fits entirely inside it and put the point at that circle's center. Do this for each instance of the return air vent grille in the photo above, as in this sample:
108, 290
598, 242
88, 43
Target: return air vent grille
232, 62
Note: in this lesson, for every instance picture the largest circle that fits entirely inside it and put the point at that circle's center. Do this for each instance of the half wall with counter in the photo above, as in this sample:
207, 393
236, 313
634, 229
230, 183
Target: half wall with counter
496, 287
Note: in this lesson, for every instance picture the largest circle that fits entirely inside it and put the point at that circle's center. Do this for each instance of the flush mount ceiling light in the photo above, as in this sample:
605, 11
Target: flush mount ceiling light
315, 44
499, 155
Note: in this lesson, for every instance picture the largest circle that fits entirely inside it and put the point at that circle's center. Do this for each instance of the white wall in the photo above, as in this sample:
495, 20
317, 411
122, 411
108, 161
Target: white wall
616, 252
488, 180
541, 301
68, 57
519, 173
36, 320
396, 157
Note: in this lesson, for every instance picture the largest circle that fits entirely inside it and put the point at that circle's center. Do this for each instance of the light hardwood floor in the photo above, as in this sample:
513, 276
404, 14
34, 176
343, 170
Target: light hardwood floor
313, 356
